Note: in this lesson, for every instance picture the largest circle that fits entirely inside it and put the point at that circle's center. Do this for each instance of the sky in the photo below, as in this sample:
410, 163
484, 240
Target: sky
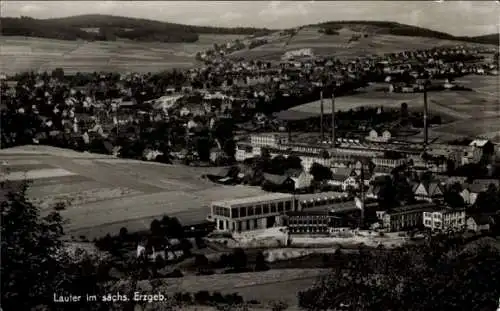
467, 18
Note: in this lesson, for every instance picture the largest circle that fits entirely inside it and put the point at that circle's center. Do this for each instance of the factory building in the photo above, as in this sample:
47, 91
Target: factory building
445, 219
252, 213
312, 222
266, 211
405, 217
317, 200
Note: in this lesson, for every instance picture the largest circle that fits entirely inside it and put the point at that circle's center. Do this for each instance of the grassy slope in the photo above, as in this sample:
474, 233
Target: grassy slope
377, 41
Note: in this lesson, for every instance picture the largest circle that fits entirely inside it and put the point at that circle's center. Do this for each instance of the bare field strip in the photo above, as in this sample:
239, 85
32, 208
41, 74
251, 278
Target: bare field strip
66, 180
23, 54
473, 127
140, 206
24, 167
77, 198
187, 218
37, 191
37, 174
15, 161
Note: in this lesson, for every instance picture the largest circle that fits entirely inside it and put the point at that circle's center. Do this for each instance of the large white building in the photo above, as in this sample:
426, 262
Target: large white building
298, 53
268, 140
259, 212
444, 219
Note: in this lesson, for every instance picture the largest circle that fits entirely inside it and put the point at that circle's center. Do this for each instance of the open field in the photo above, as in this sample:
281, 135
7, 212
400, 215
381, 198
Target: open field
484, 127
340, 47
23, 54
475, 113
388, 100
104, 194
273, 285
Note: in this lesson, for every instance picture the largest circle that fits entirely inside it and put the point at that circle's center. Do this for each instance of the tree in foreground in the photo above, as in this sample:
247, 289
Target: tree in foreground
437, 276
30, 243
35, 265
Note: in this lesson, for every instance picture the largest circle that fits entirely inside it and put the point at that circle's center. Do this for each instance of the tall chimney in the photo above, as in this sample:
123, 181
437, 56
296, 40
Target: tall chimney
321, 117
334, 138
426, 125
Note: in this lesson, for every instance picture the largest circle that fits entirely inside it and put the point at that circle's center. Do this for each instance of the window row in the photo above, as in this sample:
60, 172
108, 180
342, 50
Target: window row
221, 211
314, 221
309, 229
261, 209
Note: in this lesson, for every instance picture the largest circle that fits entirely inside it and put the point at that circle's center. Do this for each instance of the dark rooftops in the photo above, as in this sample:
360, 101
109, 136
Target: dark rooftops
482, 185
413, 207
291, 115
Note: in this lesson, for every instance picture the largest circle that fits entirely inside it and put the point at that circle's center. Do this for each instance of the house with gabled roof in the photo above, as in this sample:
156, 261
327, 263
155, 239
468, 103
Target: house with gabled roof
428, 190
281, 182
479, 223
471, 191
301, 178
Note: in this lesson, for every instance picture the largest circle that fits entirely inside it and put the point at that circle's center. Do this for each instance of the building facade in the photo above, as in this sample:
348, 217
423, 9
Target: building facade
405, 217
445, 219
259, 212
312, 222
264, 140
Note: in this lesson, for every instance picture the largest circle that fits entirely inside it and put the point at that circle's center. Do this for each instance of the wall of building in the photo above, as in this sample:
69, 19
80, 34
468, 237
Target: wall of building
444, 220
251, 216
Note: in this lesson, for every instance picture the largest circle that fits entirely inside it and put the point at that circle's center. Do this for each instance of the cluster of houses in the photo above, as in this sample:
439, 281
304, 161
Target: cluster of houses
358, 165
350, 161
329, 213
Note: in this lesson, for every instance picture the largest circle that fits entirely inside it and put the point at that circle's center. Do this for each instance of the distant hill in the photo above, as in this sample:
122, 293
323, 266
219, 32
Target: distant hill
109, 28
398, 29
486, 39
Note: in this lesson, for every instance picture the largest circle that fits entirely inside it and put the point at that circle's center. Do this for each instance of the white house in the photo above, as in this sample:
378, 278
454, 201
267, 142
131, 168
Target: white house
472, 191
445, 219
302, 180
308, 161
478, 223
385, 136
244, 151
428, 191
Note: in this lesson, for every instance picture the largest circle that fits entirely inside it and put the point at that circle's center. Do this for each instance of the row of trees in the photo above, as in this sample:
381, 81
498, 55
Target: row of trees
441, 275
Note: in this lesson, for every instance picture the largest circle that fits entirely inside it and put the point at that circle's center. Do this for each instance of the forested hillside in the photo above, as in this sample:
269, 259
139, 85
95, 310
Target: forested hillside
398, 29
109, 28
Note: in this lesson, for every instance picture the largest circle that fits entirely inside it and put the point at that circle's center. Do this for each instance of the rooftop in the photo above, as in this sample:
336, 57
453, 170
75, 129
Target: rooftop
408, 208
254, 199
321, 196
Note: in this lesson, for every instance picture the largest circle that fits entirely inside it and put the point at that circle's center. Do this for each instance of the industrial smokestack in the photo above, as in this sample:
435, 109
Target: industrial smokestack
321, 118
426, 125
334, 138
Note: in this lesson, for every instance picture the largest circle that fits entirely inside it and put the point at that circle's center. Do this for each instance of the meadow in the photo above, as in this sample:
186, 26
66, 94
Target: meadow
473, 113
265, 287
102, 195
25, 53
339, 46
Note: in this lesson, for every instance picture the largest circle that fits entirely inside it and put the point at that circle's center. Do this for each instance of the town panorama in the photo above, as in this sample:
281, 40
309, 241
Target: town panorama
250, 155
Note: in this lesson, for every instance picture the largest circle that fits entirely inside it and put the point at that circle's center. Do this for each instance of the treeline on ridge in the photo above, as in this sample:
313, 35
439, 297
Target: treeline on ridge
398, 29
109, 28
